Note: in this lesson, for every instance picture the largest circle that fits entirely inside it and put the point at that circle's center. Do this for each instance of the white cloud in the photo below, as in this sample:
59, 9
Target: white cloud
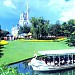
8, 3
68, 12
67, 15
56, 3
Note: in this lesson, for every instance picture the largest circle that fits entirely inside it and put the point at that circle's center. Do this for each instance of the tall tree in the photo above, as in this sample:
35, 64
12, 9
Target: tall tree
39, 27
24, 29
34, 27
68, 27
0, 32
56, 29
71, 25
65, 30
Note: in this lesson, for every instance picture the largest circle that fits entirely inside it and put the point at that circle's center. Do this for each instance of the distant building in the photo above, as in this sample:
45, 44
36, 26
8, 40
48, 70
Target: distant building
24, 20
14, 31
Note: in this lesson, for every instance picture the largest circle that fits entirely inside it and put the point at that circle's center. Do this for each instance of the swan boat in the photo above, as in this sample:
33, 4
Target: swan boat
52, 60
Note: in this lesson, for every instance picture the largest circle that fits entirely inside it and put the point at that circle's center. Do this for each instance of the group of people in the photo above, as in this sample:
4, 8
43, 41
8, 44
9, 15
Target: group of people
64, 60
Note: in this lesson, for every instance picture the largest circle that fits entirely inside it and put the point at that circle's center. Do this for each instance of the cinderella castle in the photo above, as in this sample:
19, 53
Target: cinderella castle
24, 20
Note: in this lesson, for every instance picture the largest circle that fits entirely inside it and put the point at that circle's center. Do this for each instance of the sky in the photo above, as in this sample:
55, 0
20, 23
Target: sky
53, 10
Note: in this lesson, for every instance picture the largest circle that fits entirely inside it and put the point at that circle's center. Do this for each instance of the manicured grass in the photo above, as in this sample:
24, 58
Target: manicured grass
20, 49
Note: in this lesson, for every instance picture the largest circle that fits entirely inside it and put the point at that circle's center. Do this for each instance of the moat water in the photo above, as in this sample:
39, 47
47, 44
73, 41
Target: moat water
24, 68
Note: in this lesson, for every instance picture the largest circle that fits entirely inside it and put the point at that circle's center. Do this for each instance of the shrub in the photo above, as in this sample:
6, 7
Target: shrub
61, 39
3, 42
4, 70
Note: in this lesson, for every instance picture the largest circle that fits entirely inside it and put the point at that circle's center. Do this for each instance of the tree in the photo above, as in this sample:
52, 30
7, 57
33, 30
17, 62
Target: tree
24, 29
3, 33
39, 27
71, 22
70, 30
43, 26
0, 32
56, 29
5, 70
71, 25
34, 27
72, 39
68, 27
1, 53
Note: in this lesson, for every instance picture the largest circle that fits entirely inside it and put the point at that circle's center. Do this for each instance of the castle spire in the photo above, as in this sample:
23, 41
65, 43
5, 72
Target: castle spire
24, 17
27, 11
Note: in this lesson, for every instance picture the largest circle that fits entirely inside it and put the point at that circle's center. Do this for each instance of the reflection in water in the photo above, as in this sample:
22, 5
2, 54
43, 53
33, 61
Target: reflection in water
64, 72
23, 68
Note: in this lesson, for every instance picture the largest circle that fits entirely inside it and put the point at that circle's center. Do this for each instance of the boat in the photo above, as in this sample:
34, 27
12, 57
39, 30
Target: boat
53, 60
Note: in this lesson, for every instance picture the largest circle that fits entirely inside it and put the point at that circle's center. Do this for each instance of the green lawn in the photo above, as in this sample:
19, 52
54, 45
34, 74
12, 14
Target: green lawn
20, 50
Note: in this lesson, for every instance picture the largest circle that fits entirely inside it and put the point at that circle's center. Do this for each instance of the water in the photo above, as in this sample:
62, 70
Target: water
23, 68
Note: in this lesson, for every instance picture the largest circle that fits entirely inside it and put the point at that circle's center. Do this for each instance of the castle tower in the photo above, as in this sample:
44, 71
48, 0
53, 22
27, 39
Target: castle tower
24, 17
14, 31
27, 13
21, 21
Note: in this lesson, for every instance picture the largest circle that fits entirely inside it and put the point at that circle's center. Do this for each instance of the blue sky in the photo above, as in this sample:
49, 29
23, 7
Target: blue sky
53, 10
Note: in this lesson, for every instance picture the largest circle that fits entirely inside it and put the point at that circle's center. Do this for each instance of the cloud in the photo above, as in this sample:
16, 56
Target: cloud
56, 3
8, 3
67, 15
67, 0
69, 12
